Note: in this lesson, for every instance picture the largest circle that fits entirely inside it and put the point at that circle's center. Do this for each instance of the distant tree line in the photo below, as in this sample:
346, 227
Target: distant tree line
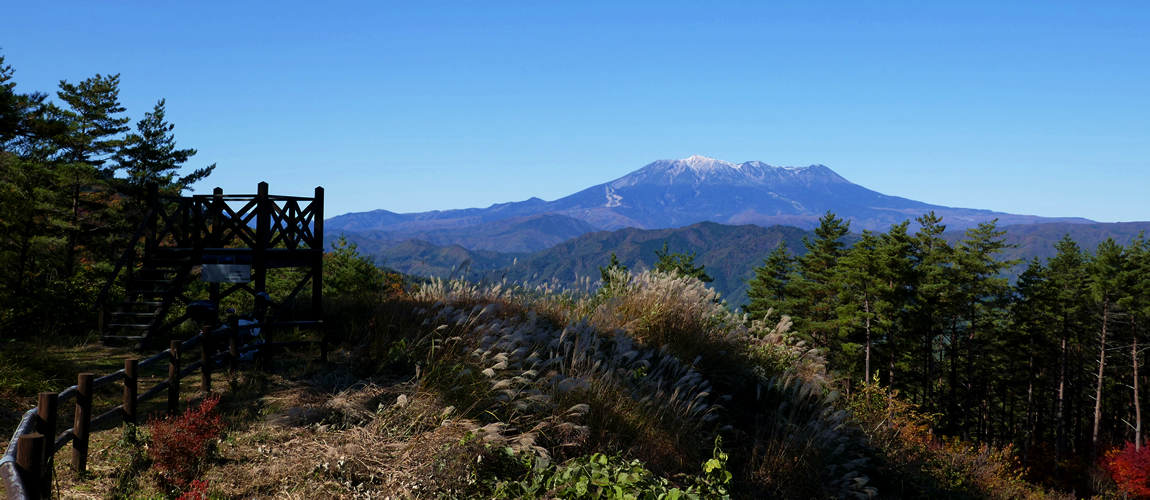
1050, 364
72, 185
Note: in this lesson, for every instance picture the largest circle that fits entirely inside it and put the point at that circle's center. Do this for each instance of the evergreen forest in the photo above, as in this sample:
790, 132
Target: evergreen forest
1049, 364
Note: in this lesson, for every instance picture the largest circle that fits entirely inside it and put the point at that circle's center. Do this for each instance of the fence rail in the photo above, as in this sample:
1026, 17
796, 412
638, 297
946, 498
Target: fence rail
26, 466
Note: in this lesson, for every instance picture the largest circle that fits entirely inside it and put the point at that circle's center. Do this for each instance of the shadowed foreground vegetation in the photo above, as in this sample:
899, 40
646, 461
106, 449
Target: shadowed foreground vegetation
646, 388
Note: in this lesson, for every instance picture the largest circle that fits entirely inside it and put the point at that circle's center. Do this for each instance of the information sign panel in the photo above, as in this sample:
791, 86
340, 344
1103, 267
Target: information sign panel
226, 269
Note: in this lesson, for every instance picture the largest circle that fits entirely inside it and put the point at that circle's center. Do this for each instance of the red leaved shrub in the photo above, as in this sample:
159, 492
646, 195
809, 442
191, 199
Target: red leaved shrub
199, 491
181, 444
1130, 469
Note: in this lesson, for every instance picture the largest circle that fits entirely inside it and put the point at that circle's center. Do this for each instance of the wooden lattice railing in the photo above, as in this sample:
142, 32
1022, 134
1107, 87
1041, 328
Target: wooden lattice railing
26, 466
272, 231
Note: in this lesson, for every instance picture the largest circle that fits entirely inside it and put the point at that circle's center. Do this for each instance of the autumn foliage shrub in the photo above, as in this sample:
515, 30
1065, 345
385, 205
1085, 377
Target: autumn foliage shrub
198, 491
1130, 468
915, 464
182, 444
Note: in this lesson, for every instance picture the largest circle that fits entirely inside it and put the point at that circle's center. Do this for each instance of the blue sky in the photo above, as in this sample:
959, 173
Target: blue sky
1022, 107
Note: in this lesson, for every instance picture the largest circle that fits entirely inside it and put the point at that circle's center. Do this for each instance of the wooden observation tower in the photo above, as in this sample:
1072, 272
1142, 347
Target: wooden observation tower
233, 239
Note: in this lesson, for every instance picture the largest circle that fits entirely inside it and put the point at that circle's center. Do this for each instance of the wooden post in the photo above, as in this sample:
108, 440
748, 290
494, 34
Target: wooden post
317, 266
317, 271
206, 358
263, 236
83, 421
234, 343
174, 378
29, 461
131, 386
46, 425
218, 229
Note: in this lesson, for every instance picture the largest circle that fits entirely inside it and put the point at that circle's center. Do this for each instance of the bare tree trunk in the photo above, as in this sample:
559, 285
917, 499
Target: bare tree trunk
890, 367
1060, 414
969, 386
1137, 403
928, 367
866, 309
1098, 390
1029, 406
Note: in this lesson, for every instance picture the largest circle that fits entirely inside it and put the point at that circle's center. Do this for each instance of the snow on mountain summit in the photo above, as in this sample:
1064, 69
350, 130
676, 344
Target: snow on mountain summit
703, 163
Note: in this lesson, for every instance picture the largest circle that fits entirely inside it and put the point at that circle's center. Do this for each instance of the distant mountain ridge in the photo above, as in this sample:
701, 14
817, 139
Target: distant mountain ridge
730, 253
668, 194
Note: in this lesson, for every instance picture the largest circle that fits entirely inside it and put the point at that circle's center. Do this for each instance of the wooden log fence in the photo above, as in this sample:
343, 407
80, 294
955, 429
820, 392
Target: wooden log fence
27, 464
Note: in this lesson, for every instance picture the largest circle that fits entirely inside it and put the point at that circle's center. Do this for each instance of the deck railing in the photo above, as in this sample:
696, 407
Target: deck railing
27, 464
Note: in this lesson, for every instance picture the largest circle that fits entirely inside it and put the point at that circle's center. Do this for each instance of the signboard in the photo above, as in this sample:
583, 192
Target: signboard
226, 269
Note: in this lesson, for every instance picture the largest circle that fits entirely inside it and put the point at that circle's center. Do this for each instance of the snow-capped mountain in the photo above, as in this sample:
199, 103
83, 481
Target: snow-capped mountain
677, 193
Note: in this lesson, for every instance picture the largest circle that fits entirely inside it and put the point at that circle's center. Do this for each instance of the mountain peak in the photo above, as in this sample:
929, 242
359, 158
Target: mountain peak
702, 163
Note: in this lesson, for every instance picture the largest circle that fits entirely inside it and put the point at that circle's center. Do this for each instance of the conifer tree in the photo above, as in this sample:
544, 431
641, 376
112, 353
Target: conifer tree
1106, 269
1135, 303
861, 277
681, 263
932, 257
150, 156
1033, 318
817, 292
982, 291
93, 134
768, 289
895, 252
1067, 280
608, 274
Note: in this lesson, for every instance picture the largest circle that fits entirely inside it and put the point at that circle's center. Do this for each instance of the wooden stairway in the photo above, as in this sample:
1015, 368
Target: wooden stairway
149, 293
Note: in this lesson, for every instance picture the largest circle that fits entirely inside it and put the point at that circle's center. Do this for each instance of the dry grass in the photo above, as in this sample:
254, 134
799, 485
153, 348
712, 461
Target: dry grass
438, 388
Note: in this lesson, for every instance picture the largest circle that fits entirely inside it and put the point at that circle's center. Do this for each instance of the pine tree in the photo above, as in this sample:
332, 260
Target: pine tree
861, 278
1105, 274
93, 135
1033, 319
1135, 303
150, 156
768, 290
817, 292
896, 252
95, 131
1067, 279
932, 257
605, 272
983, 293
680, 263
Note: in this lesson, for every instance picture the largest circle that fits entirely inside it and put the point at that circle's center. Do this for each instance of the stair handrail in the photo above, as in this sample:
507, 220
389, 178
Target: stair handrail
128, 251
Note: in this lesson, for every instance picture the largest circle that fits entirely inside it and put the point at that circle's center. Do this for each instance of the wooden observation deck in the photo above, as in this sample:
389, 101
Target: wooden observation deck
234, 239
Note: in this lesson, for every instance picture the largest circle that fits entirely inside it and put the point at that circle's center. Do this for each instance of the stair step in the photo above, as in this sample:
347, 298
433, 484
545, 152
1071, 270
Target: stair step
176, 263
141, 314
125, 325
141, 303
121, 337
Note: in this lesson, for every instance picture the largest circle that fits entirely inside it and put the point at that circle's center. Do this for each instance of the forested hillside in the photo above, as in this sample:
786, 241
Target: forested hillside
1051, 365
730, 252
